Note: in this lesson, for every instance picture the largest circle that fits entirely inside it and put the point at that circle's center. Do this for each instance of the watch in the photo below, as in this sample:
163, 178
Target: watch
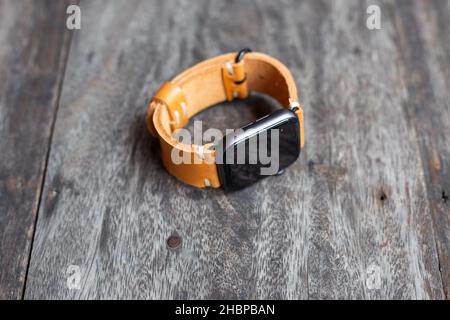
262, 148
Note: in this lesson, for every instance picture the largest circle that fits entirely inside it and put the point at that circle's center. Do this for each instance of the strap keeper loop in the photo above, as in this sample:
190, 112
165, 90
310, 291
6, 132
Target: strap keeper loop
295, 106
235, 80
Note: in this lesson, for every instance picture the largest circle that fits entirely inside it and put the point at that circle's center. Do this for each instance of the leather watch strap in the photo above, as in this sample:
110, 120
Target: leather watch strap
206, 84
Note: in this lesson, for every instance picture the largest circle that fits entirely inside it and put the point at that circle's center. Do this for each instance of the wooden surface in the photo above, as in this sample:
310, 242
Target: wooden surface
33, 51
364, 212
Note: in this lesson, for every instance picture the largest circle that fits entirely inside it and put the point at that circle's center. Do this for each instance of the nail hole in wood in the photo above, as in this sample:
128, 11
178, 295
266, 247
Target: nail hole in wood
174, 241
311, 165
382, 194
444, 196
357, 51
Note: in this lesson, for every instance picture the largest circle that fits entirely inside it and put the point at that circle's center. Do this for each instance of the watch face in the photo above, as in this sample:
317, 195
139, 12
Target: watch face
260, 149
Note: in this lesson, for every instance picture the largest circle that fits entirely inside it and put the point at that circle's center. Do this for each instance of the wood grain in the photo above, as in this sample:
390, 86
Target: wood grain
356, 217
33, 50
423, 40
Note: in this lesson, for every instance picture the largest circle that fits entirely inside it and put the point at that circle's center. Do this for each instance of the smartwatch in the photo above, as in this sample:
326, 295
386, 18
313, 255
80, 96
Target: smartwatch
236, 160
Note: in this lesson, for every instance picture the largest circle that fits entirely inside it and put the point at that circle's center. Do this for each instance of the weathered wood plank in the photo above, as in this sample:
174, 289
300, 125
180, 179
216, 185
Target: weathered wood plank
423, 39
33, 49
350, 220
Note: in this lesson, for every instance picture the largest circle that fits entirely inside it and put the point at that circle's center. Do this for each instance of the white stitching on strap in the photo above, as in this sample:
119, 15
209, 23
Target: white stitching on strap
177, 117
201, 152
183, 107
229, 67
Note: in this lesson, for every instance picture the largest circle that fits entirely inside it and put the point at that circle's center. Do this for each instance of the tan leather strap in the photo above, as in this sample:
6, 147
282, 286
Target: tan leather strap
206, 84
